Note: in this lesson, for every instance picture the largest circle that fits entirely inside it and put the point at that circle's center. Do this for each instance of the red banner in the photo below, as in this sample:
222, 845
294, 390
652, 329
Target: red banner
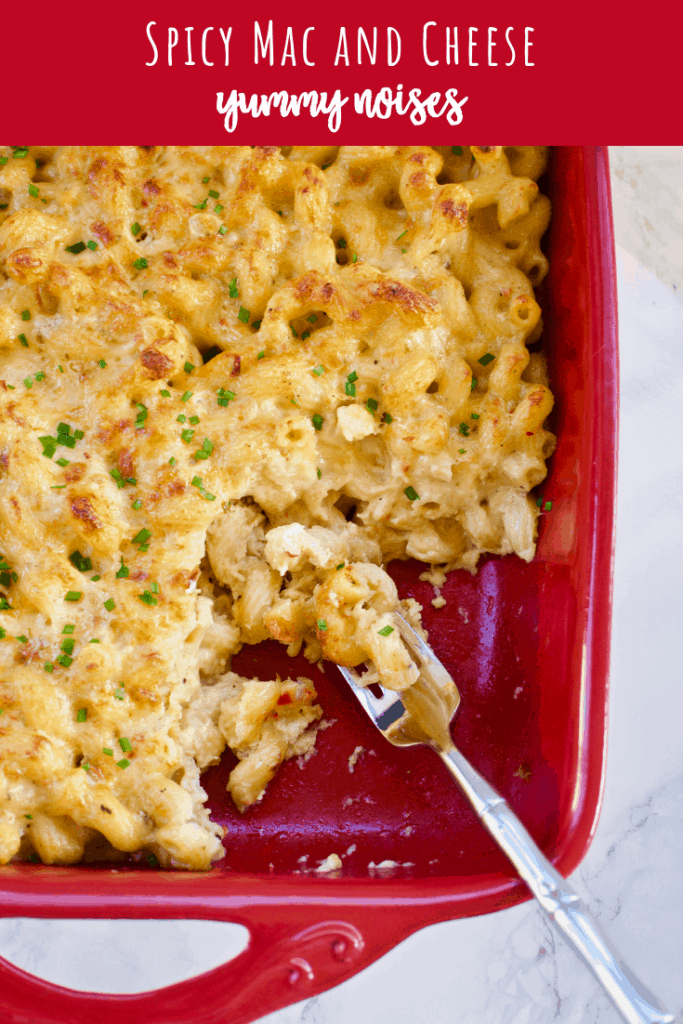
441, 73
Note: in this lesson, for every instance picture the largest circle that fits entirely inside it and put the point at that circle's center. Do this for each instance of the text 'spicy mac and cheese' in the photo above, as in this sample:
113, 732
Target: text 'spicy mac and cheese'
234, 383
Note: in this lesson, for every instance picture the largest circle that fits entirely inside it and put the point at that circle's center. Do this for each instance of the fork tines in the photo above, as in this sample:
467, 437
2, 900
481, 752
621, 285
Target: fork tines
388, 708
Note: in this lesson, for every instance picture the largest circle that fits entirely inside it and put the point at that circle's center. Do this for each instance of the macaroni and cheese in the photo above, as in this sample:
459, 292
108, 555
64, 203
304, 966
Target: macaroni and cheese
234, 383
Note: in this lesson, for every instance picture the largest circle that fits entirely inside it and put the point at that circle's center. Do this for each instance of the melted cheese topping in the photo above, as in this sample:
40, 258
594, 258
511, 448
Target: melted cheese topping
367, 394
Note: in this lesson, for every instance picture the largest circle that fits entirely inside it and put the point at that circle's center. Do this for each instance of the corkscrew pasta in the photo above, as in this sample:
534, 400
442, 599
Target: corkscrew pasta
234, 383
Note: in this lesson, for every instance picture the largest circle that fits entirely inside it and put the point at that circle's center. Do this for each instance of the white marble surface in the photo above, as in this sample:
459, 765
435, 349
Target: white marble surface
507, 968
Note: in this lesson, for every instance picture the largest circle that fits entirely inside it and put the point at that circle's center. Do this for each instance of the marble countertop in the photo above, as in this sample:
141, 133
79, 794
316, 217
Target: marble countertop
509, 968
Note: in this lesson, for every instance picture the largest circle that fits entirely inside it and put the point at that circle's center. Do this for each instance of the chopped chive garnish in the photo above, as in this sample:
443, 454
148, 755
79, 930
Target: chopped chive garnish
67, 645
102, 363
19, 152
25, 314
182, 418
205, 180
322, 624
207, 445
486, 359
187, 435
341, 566
200, 455
464, 429
318, 370
124, 743
73, 595
386, 630
83, 564
218, 208
243, 315
147, 598
76, 248
63, 462
82, 715
135, 229
164, 393
293, 331
209, 497
312, 318
222, 230
23, 340
137, 504
387, 418
28, 383
402, 235
461, 451
140, 264
40, 375
154, 587
187, 396
475, 416
64, 660
473, 384
350, 389
61, 370
213, 194
355, 258
411, 494
141, 416
319, 472
305, 335
456, 150
539, 501
372, 405
256, 324
341, 243
85, 767
548, 505
194, 420
108, 751
188, 367
261, 354
171, 461
353, 376
69, 628
48, 666
123, 763
196, 481
123, 571
24, 639
94, 579
142, 537
110, 604
317, 421
93, 641
92, 245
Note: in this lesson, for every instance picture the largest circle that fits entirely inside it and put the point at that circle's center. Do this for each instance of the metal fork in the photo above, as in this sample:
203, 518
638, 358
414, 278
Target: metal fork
422, 715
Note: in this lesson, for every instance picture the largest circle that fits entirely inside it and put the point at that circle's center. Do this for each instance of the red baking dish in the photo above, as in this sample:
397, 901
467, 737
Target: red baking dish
528, 646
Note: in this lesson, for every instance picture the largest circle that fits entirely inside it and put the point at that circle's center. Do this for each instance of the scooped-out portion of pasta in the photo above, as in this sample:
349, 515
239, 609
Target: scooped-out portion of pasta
235, 382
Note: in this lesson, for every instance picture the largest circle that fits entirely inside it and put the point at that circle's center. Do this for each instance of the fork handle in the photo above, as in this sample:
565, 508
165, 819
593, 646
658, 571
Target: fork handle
562, 905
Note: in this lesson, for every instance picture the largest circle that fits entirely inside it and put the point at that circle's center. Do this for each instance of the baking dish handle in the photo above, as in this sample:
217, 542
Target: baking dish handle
293, 953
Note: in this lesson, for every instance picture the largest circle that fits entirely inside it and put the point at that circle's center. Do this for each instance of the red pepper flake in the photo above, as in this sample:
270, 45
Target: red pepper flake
284, 698
236, 366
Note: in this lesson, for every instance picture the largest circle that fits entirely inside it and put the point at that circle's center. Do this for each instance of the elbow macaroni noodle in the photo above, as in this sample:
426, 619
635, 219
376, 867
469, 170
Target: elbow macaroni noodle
368, 394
